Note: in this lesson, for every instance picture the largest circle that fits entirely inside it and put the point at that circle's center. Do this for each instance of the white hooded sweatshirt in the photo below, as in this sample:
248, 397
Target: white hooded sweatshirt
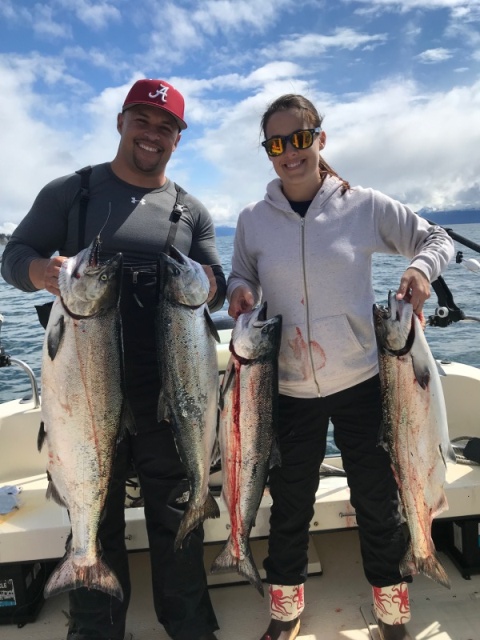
317, 273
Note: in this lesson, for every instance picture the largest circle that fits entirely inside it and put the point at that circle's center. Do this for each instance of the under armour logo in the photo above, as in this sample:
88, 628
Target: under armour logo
161, 91
141, 201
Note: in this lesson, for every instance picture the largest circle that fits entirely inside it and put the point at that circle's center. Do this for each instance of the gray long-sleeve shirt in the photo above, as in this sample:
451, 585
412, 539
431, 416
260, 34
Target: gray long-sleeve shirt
131, 219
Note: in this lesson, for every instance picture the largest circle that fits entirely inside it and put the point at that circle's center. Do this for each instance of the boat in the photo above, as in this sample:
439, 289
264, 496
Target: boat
338, 597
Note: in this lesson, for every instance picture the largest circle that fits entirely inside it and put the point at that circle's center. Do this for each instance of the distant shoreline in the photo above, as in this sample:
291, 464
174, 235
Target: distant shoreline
466, 216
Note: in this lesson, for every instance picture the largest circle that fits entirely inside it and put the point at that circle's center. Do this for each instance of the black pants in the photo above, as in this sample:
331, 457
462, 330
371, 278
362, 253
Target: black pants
181, 599
303, 423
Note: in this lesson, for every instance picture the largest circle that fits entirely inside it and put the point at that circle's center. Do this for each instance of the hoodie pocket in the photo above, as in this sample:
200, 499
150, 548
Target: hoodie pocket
331, 350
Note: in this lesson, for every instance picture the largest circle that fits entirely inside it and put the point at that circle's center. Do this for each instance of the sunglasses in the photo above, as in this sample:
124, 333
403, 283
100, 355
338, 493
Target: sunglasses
301, 139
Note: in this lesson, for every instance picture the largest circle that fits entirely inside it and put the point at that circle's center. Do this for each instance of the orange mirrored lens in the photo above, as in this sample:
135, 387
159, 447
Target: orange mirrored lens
299, 139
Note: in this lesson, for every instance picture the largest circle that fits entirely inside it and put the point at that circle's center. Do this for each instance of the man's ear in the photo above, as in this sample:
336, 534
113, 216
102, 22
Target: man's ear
119, 122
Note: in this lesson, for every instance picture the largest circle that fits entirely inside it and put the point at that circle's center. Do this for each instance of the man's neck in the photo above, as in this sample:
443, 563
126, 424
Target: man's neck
137, 179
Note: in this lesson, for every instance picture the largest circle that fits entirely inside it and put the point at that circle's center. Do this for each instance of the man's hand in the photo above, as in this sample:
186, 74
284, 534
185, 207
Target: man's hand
212, 280
43, 273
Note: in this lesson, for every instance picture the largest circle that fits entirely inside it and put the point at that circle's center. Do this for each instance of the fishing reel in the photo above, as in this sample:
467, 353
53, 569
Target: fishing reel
447, 311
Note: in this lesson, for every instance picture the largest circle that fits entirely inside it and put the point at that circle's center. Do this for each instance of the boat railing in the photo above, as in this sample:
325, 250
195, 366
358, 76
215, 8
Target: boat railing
6, 361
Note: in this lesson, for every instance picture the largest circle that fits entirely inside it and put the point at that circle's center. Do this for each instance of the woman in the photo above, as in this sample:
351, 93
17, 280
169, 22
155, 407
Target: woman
306, 249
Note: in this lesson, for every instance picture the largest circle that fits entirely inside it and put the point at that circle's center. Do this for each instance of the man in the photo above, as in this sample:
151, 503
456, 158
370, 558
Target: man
131, 200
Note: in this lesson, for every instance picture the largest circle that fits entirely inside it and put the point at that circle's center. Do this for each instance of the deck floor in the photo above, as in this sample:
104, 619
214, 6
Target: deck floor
338, 603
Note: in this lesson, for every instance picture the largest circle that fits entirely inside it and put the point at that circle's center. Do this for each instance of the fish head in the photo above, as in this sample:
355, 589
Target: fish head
394, 326
182, 280
88, 287
254, 337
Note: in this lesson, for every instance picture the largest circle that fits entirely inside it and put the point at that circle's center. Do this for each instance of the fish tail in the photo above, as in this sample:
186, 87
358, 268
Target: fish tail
194, 516
433, 568
226, 561
430, 567
68, 576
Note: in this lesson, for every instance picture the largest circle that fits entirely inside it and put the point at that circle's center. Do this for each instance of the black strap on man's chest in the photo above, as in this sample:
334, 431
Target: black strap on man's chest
83, 204
177, 211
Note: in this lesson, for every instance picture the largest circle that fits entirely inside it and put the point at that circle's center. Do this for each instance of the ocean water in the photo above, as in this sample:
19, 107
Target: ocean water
21, 335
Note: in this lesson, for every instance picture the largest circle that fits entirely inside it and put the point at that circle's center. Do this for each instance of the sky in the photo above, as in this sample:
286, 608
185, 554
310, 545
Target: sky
398, 84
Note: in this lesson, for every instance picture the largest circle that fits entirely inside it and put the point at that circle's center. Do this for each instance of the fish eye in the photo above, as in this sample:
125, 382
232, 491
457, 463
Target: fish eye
104, 277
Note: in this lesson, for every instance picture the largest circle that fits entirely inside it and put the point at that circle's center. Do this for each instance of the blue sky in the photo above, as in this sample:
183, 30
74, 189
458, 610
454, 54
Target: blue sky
397, 81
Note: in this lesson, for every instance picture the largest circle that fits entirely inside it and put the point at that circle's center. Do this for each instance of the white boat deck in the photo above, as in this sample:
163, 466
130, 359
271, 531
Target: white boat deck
338, 603
39, 528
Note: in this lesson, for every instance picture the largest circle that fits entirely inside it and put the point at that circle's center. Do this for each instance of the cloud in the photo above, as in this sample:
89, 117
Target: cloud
394, 137
35, 146
39, 18
238, 15
312, 44
96, 15
408, 5
433, 56
388, 126
409, 144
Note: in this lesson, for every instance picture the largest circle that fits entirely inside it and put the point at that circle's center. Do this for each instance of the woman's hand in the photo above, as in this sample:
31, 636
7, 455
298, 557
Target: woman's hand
241, 301
414, 288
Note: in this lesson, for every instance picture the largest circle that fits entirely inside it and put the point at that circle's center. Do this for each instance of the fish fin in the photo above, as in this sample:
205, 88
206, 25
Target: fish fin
67, 576
216, 453
195, 516
53, 493
163, 413
41, 436
127, 421
430, 567
448, 453
226, 561
382, 436
440, 369
227, 381
54, 338
211, 325
440, 506
275, 455
422, 372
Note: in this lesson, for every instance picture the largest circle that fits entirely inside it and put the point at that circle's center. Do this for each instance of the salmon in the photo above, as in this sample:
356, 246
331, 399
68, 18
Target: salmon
187, 357
415, 430
82, 408
247, 433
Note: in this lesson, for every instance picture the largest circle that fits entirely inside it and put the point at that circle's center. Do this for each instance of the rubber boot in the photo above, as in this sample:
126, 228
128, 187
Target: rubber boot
282, 630
393, 631
286, 604
392, 610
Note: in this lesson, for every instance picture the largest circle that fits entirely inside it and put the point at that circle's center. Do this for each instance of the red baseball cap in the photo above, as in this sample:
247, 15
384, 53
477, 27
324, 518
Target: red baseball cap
157, 93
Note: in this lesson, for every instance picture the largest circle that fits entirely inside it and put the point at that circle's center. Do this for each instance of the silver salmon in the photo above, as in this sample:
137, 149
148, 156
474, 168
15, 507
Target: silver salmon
82, 403
247, 430
187, 360
415, 430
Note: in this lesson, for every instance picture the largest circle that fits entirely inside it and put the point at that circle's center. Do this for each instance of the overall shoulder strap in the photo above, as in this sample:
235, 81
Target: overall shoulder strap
178, 209
83, 204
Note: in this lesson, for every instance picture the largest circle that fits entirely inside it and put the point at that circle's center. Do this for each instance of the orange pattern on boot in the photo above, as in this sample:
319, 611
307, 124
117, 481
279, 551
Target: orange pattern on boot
286, 602
392, 604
